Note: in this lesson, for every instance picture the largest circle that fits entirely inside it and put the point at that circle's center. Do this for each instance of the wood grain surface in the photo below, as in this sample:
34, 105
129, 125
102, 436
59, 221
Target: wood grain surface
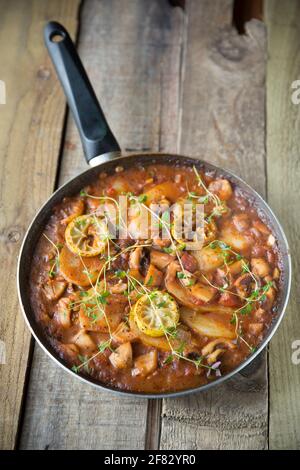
30, 132
223, 122
168, 79
283, 150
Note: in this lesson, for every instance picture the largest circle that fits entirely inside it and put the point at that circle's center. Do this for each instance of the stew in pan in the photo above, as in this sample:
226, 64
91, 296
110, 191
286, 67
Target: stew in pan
155, 311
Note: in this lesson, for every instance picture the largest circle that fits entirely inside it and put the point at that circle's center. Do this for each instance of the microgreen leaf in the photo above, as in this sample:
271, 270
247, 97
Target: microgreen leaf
142, 198
203, 199
150, 281
181, 275
121, 274
104, 345
246, 310
169, 359
102, 297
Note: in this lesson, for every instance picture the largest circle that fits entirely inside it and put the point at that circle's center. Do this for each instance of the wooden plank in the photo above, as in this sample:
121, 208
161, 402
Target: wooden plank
223, 122
30, 129
283, 150
132, 53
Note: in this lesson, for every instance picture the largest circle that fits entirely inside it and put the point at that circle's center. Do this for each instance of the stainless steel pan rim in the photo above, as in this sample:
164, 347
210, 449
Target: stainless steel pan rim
70, 187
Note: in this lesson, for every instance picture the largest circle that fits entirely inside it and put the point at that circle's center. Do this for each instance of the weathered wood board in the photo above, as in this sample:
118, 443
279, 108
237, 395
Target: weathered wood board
283, 151
134, 65
223, 122
188, 83
30, 129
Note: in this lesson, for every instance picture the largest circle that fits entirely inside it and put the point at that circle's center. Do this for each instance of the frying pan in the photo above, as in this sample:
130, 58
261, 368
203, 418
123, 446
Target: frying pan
102, 153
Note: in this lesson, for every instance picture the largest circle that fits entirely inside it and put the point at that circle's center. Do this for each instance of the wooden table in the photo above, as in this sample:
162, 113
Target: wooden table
169, 80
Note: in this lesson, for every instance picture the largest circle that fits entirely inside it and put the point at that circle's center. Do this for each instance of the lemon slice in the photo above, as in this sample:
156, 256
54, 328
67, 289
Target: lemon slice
155, 313
87, 235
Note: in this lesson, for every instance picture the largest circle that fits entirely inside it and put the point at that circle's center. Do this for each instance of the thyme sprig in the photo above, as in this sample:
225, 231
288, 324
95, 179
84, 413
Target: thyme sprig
85, 361
55, 264
219, 206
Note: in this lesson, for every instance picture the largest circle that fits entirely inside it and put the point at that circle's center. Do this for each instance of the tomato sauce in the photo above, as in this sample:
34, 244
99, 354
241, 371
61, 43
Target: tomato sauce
150, 314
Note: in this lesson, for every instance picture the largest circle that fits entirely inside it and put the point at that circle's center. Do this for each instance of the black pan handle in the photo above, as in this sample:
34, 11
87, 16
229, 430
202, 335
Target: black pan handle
99, 143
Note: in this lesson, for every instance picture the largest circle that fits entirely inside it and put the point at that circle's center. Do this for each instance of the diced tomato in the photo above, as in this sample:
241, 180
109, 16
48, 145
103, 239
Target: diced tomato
111, 191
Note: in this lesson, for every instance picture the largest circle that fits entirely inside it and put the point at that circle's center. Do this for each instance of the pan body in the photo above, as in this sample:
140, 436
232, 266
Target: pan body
75, 185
